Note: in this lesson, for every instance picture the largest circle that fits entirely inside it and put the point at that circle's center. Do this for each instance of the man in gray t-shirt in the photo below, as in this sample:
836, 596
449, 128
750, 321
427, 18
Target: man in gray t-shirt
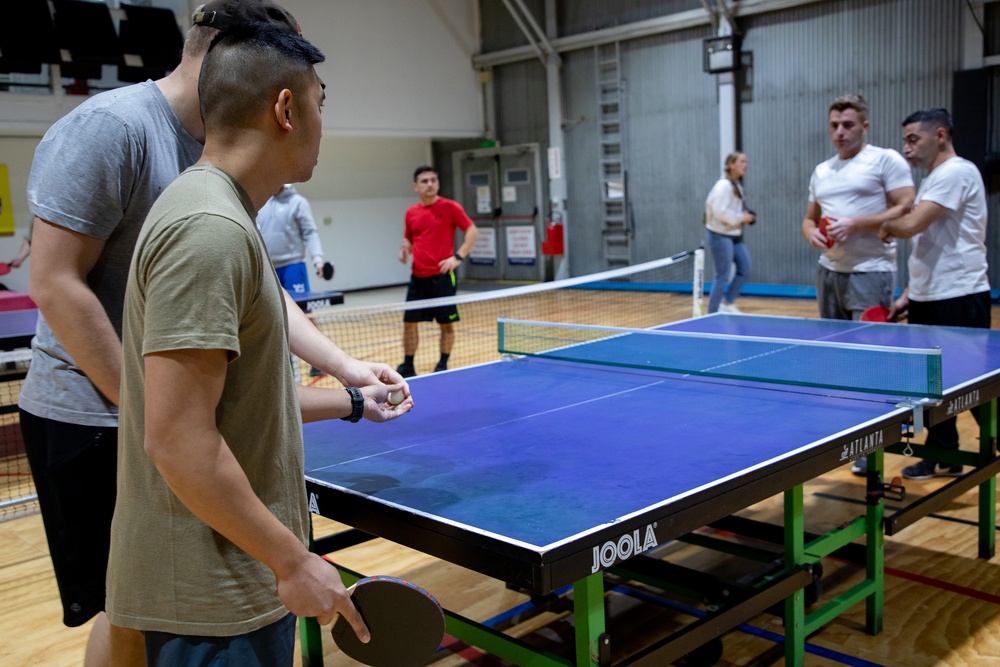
95, 176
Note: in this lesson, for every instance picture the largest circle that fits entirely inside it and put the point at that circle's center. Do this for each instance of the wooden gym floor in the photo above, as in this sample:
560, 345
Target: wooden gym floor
942, 603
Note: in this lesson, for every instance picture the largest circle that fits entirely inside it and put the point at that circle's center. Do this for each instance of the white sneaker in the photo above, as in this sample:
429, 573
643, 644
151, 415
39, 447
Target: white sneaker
729, 308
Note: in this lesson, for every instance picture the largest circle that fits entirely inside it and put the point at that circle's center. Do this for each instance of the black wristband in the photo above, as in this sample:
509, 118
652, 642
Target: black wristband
357, 405
459, 257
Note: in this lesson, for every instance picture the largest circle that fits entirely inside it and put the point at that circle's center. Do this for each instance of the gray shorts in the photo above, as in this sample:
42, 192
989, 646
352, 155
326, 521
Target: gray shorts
844, 296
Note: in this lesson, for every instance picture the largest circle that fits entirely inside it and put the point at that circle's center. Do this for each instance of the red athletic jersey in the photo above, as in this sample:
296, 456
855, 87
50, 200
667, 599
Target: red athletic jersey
431, 230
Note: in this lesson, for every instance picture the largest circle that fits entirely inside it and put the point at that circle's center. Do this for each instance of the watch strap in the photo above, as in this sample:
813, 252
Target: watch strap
357, 405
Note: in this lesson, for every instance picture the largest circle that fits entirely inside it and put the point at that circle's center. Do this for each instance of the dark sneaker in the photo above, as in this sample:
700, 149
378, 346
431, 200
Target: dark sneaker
928, 470
860, 467
440, 367
406, 370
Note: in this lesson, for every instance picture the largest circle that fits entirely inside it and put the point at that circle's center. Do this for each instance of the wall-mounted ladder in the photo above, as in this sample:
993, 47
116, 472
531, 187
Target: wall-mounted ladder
612, 140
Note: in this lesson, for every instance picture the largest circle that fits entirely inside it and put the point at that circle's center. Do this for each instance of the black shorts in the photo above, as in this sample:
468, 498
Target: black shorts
74, 468
433, 287
970, 310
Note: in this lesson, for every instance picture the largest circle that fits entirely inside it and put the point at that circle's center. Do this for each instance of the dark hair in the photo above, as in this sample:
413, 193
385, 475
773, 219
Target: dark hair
422, 169
852, 101
937, 117
246, 67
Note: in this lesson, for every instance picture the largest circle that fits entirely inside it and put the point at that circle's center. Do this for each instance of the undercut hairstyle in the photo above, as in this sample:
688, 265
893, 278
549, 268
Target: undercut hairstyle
422, 169
245, 69
198, 39
852, 101
931, 118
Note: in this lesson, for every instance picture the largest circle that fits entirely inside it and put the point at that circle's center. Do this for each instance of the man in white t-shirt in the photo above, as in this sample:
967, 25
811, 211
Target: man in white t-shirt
856, 190
948, 282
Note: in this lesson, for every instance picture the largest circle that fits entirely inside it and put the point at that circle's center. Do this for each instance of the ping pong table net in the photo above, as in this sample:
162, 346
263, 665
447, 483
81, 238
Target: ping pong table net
871, 369
643, 295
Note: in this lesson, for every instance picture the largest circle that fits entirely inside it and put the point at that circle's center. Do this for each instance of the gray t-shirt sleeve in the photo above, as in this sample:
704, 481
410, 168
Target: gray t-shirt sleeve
83, 172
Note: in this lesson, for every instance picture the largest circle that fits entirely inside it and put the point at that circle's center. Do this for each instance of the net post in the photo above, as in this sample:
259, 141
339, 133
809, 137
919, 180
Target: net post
698, 283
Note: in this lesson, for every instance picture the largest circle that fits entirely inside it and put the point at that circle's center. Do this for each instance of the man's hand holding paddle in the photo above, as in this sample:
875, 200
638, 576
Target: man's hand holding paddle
311, 587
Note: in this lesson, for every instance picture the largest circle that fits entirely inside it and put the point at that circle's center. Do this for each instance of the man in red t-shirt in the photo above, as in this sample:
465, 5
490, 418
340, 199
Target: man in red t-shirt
429, 237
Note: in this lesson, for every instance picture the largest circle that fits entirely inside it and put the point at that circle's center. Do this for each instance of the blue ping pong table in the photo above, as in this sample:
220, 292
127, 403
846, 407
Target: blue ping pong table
544, 474
17, 328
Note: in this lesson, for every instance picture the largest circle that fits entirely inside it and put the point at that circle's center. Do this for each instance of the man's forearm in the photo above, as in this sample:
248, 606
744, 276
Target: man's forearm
308, 343
469, 241
874, 222
202, 472
82, 327
182, 439
321, 403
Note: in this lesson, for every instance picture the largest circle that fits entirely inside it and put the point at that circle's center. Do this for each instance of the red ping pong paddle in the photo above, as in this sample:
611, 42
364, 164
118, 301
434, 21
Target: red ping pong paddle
327, 271
405, 621
877, 313
824, 222
4, 268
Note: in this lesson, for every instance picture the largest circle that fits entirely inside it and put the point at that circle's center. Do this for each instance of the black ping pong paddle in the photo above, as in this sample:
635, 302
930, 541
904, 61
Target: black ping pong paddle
327, 271
405, 621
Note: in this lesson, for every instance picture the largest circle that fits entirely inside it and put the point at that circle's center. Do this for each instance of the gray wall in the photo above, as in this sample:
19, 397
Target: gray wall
900, 54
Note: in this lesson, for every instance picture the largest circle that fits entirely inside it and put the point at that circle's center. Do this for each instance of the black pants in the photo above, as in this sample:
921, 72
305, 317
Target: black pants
971, 310
75, 470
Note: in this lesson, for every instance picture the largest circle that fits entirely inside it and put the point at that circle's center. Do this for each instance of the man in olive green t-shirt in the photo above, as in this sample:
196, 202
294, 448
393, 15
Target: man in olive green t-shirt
210, 528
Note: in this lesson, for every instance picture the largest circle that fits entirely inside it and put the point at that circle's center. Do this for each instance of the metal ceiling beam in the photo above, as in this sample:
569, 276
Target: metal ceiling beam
535, 36
662, 24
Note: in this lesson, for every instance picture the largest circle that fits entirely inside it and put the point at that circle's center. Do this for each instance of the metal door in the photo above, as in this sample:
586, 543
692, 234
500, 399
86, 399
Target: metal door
500, 190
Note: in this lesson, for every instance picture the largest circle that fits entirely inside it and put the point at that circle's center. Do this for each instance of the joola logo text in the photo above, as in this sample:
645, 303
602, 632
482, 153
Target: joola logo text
317, 304
624, 547
861, 446
963, 403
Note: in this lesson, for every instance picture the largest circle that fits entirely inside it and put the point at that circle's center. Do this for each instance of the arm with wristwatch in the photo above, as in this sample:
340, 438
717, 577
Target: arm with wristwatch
451, 263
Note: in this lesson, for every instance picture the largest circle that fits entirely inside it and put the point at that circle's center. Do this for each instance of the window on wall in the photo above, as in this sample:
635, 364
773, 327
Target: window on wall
85, 46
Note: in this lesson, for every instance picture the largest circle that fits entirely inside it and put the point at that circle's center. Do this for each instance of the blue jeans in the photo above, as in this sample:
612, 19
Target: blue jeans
270, 646
725, 251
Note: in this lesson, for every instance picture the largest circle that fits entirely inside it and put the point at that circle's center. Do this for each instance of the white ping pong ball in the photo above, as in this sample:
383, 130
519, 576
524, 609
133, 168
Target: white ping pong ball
396, 397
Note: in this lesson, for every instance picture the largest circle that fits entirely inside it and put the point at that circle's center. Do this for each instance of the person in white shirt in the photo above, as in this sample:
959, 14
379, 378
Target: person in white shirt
725, 216
948, 281
856, 190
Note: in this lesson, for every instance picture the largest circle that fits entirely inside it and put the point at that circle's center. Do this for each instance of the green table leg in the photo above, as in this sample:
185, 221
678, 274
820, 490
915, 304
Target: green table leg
311, 641
795, 614
875, 548
988, 489
588, 613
